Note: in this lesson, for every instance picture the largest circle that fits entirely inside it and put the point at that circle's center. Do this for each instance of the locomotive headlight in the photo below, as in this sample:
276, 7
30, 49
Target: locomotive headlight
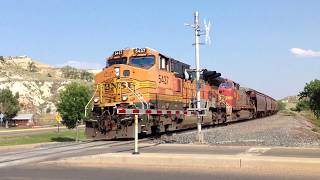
96, 99
124, 98
117, 71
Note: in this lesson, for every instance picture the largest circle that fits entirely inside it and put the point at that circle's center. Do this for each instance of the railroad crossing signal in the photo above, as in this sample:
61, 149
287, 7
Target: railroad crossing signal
136, 112
188, 112
197, 31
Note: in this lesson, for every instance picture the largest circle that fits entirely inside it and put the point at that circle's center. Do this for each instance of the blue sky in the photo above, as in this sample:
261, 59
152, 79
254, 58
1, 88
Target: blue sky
252, 41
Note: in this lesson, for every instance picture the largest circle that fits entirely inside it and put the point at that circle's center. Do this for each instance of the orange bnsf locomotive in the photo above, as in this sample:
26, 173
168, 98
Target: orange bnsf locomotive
144, 78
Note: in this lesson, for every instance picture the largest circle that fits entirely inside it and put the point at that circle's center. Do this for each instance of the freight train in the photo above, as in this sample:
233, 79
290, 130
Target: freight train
143, 78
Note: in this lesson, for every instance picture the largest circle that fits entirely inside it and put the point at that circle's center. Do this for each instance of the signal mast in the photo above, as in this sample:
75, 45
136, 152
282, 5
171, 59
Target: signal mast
197, 30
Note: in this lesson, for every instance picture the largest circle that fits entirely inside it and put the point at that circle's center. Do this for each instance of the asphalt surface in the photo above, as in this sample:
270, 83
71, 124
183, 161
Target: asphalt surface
64, 150
233, 150
22, 132
35, 172
31, 163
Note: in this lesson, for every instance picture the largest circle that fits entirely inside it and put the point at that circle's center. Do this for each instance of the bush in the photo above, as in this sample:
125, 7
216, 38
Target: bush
32, 67
281, 105
73, 73
302, 105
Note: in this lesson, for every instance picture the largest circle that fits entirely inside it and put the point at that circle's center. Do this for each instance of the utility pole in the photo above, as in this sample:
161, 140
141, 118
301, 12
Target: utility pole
197, 33
197, 58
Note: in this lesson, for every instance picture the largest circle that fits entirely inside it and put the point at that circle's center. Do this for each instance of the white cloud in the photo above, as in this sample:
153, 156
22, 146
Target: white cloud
81, 64
304, 53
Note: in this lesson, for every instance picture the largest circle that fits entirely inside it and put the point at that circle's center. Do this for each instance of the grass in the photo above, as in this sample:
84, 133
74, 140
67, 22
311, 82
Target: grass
309, 115
62, 136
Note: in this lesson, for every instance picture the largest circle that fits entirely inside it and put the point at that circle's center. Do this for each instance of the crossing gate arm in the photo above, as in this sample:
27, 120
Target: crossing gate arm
188, 112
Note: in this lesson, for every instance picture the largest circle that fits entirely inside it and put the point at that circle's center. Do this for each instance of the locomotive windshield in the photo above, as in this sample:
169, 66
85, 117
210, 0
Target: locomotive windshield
144, 62
225, 85
117, 61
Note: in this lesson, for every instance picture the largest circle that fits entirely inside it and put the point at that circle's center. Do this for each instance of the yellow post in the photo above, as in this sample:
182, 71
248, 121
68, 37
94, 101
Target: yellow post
58, 119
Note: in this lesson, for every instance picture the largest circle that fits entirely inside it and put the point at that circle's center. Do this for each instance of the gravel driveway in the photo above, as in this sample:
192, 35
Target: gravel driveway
276, 130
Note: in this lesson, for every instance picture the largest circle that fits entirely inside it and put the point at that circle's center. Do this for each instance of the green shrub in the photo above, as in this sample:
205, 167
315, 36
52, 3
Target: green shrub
302, 105
281, 105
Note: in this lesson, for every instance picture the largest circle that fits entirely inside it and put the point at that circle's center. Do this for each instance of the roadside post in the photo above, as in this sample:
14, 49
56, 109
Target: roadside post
77, 126
1, 119
136, 129
58, 119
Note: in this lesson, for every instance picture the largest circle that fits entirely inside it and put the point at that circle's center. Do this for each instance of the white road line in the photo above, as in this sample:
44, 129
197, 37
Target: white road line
257, 150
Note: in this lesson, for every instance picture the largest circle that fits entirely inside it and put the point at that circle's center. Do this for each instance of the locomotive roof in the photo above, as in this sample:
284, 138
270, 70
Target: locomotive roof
146, 48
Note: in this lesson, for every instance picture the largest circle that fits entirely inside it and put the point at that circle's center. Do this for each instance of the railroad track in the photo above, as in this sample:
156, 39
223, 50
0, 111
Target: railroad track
45, 153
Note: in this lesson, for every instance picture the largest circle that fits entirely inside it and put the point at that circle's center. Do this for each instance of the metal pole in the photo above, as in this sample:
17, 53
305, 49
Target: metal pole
197, 58
86, 107
136, 151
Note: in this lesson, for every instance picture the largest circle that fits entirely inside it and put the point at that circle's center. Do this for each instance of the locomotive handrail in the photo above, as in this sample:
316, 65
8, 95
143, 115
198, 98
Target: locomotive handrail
86, 107
139, 97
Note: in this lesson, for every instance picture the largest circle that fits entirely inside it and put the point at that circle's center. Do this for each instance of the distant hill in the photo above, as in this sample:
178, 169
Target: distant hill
38, 84
290, 101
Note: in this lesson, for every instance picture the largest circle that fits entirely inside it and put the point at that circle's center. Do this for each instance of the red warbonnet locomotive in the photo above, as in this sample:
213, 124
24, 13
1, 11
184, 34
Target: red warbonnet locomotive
138, 78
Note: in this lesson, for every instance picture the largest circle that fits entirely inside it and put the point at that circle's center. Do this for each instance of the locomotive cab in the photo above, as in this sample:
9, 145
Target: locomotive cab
229, 90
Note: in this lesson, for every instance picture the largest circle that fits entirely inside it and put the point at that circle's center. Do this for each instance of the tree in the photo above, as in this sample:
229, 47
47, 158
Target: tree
9, 104
72, 102
311, 94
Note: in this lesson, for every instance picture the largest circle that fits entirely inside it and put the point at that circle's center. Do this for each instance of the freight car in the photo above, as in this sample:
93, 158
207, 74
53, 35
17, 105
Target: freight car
245, 103
145, 78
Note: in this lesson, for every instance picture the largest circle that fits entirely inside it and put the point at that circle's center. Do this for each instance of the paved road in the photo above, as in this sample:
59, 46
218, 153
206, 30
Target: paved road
64, 150
21, 132
77, 173
24, 164
234, 150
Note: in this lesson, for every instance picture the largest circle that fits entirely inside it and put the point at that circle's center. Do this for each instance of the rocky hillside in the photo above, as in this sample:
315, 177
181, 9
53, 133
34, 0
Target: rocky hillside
38, 84
290, 101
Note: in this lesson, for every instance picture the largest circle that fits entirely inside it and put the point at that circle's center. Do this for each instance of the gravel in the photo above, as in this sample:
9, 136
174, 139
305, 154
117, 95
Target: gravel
276, 130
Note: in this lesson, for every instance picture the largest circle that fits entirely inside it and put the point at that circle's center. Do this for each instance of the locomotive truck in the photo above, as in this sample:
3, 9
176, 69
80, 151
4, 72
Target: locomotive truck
143, 78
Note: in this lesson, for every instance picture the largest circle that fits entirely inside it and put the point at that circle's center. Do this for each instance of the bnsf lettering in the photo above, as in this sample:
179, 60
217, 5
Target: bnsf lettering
118, 53
163, 79
122, 85
140, 50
